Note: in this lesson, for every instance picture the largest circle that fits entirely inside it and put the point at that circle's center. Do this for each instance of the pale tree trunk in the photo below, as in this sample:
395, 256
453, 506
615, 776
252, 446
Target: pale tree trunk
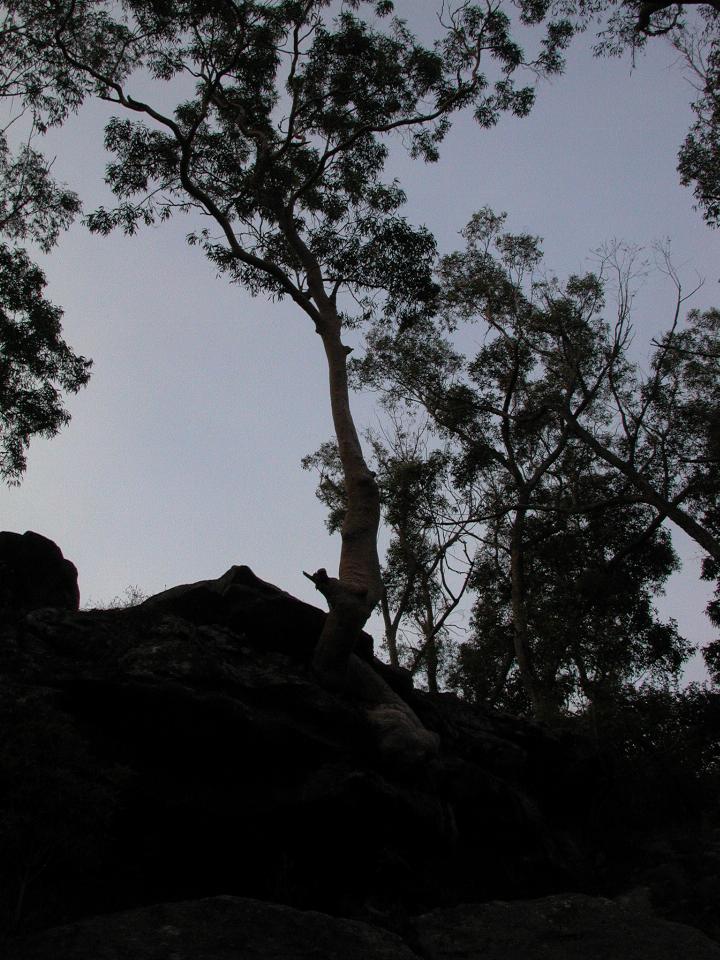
352, 596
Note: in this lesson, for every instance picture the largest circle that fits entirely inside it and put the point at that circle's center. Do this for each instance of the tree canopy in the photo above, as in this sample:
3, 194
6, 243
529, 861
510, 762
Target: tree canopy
267, 123
693, 31
36, 365
268, 126
572, 459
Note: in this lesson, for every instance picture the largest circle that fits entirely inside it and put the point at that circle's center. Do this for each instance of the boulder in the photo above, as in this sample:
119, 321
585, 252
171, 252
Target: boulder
242, 601
567, 927
217, 928
178, 758
34, 574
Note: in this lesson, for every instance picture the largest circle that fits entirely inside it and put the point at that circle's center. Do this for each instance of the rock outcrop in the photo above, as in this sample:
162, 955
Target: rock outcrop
34, 574
571, 927
200, 756
174, 769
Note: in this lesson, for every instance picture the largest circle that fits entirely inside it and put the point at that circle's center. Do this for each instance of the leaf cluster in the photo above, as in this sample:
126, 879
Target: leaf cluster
36, 364
280, 125
590, 551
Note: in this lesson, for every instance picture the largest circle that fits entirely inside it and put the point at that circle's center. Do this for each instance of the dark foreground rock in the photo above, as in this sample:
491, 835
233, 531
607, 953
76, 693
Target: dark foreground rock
34, 574
230, 928
180, 753
221, 928
565, 927
176, 750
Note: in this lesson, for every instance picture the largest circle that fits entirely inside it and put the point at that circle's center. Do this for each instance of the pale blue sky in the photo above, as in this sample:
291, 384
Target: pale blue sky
183, 455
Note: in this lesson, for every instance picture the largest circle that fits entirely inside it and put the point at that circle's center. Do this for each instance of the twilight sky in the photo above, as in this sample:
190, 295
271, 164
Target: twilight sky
183, 454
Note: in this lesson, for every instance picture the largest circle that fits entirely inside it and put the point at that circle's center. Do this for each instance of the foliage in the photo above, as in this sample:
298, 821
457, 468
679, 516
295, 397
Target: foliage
269, 123
654, 776
592, 624
32, 206
35, 362
569, 552
699, 157
282, 141
692, 30
131, 596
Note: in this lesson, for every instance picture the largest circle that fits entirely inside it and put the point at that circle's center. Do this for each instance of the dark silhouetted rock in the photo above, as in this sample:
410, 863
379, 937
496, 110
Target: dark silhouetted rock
241, 600
220, 928
181, 750
566, 927
34, 574
222, 767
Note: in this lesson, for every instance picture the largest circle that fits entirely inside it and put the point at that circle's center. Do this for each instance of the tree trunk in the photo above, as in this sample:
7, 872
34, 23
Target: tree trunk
353, 595
431, 665
501, 681
541, 706
391, 630
431, 641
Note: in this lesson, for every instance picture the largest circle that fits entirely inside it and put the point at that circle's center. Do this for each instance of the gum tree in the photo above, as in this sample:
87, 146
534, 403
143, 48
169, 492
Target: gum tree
36, 364
570, 546
429, 521
276, 145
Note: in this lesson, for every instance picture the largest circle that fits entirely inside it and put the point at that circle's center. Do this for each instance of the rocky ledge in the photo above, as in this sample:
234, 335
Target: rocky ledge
571, 927
173, 772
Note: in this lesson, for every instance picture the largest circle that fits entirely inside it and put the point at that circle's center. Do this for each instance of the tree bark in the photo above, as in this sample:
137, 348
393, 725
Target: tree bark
352, 596
431, 640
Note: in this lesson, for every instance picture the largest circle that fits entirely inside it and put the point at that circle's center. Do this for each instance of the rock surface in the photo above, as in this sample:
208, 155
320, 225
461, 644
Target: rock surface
175, 750
569, 927
565, 927
157, 757
219, 928
34, 574
260, 610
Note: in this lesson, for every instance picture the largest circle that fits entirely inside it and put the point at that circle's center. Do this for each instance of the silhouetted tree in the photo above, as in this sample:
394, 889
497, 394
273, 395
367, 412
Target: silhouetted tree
36, 364
277, 137
569, 552
699, 156
428, 562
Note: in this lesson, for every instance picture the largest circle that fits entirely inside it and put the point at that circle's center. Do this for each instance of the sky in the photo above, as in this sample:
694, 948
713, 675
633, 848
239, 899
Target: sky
183, 454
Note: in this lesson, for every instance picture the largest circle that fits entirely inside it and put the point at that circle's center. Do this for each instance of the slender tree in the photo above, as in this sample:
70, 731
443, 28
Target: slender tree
278, 140
554, 517
664, 423
428, 563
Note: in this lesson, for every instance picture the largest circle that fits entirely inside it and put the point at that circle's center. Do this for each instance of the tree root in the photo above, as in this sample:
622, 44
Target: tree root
399, 734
